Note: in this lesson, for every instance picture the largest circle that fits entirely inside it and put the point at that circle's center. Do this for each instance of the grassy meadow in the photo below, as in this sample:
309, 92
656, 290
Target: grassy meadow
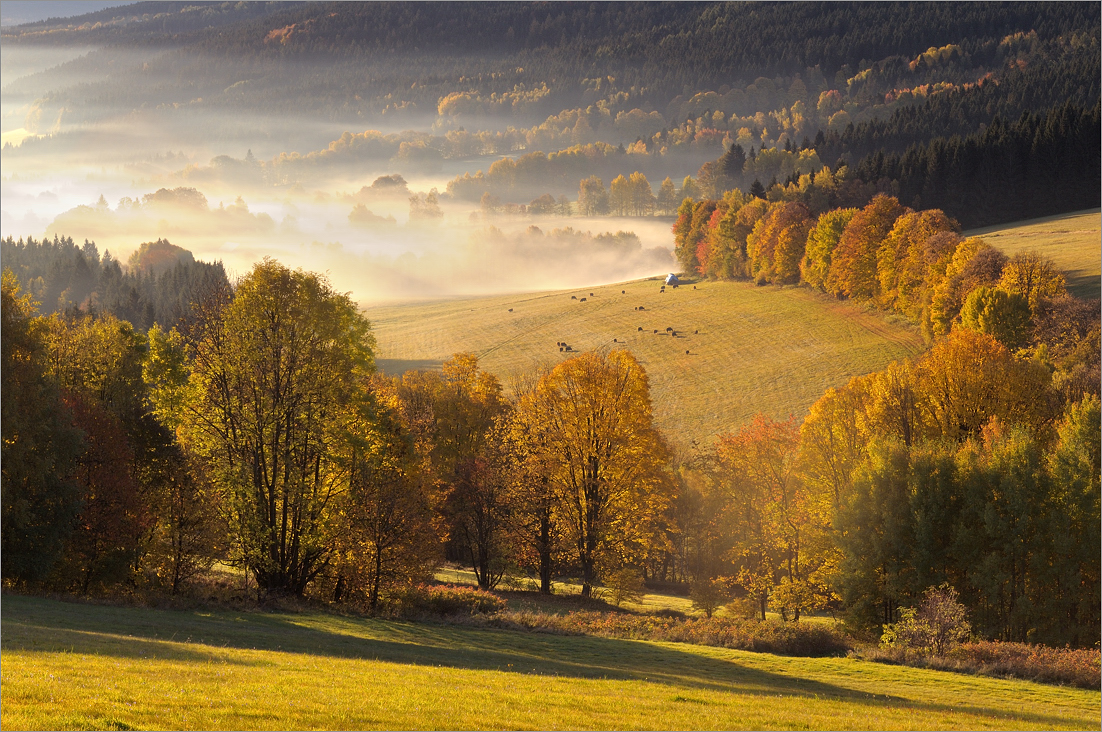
74, 666
738, 349
1072, 241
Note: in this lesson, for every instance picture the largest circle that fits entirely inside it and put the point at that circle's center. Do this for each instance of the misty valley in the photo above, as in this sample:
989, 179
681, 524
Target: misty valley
608, 364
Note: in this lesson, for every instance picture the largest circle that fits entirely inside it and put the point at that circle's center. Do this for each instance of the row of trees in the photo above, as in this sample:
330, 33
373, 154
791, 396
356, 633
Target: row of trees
263, 437
911, 262
959, 467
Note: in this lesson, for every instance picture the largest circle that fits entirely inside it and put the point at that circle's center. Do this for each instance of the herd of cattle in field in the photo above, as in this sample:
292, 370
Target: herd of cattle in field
564, 347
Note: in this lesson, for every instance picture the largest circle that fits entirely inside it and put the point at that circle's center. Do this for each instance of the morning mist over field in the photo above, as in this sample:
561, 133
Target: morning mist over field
235, 181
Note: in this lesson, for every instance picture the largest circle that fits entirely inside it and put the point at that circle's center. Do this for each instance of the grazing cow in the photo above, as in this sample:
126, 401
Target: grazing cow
569, 348
694, 287
696, 332
591, 294
510, 310
668, 329
656, 331
642, 308
582, 300
573, 297
560, 349
640, 327
614, 340
673, 333
623, 292
686, 353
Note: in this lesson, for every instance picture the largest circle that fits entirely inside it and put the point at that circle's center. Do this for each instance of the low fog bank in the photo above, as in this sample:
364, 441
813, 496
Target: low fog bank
372, 243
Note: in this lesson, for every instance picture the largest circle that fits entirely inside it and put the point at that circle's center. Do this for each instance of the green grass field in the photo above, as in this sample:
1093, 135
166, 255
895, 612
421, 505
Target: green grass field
1071, 240
739, 349
72, 666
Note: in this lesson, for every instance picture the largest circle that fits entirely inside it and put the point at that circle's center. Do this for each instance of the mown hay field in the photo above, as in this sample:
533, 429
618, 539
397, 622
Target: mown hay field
738, 349
75, 666
1073, 241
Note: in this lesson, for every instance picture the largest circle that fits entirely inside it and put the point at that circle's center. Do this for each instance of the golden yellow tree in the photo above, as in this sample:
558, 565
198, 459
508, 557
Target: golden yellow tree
780, 527
591, 424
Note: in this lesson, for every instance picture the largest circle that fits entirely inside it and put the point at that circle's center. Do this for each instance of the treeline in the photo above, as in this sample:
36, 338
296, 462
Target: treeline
159, 284
913, 263
1037, 166
962, 467
1062, 75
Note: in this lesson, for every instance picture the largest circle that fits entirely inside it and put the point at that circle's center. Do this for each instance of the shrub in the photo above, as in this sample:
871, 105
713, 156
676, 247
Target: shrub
937, 625
742, 607
443, 600
792, 639
625, 585
1076, 666
707, 595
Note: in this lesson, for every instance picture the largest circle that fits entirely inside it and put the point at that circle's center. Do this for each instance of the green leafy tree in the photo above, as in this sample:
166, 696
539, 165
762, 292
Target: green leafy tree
274, 379
821, 240
1004, 316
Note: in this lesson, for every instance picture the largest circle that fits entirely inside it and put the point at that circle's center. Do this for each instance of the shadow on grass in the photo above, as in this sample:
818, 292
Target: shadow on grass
39, 625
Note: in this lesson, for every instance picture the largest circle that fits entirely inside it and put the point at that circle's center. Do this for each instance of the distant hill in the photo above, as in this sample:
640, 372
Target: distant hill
738, 349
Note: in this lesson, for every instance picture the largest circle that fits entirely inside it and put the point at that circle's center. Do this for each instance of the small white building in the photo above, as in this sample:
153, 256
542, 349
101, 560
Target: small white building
671, 279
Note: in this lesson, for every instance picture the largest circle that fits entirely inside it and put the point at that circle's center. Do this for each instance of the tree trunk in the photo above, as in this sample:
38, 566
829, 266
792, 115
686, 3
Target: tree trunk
545, 554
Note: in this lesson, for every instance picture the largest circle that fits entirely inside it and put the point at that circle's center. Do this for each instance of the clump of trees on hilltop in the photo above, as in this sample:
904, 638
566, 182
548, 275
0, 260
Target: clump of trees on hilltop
260, 435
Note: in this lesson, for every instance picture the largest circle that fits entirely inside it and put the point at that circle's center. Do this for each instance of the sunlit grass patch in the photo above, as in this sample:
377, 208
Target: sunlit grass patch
69, 666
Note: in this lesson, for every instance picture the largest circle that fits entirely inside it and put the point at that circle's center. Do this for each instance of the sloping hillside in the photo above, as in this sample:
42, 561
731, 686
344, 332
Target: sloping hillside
1071, 240
735, 349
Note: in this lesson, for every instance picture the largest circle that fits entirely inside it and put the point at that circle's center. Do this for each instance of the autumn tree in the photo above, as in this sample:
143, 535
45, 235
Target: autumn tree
821, 241
389, 538
643, 201
853, 267
103, 547
906, 255
773, 513
187, 529
620, 195
1033, 276
592, 197
593, 428
972, 264
273, 383
40, 446
776, 244
966, 380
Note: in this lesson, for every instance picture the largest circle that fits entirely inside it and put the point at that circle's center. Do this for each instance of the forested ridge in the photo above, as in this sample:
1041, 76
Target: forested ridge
608, 90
